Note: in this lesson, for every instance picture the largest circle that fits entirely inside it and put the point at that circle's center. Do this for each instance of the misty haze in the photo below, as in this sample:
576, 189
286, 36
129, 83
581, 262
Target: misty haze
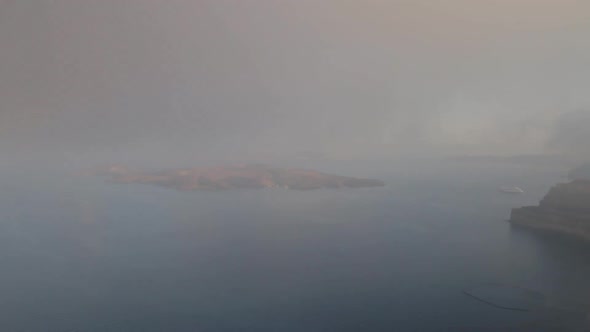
296, 165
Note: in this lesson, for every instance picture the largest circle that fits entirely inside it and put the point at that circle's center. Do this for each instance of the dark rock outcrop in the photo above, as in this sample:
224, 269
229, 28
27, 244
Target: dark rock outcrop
565, 209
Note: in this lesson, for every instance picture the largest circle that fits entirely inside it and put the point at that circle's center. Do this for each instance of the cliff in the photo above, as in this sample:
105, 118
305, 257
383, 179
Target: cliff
237, 177
565, 209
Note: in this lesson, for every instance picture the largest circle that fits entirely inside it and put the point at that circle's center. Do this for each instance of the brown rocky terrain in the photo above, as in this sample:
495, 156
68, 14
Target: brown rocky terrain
236, 177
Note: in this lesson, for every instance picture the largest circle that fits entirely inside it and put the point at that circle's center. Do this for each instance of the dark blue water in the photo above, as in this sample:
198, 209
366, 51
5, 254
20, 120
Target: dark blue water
77, 254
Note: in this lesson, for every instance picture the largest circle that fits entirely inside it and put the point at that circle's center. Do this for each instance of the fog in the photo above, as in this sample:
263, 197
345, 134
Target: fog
396, 161
111, 80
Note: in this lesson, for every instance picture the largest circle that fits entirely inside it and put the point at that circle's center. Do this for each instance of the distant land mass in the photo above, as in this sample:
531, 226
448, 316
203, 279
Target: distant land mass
564, 210
236, 177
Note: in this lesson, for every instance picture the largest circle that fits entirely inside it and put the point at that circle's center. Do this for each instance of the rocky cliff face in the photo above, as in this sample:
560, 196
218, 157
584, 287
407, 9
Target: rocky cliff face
565, 209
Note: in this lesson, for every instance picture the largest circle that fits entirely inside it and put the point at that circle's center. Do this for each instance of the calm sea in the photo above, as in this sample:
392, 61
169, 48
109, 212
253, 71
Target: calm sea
78, 254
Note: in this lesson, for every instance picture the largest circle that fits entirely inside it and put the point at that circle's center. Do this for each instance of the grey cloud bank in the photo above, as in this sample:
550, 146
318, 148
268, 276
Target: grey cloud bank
210, 79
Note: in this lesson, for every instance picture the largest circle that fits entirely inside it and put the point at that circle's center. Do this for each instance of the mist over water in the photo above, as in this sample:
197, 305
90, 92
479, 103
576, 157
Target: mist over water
446, 102
195, 81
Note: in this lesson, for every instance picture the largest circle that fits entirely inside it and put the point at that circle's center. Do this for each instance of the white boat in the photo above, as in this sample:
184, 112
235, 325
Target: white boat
511, 190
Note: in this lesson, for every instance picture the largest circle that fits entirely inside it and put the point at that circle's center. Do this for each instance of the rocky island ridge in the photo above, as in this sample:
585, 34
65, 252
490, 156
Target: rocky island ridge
245, 176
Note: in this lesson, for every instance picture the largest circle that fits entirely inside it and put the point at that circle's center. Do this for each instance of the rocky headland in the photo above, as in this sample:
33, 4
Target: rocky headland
564, 210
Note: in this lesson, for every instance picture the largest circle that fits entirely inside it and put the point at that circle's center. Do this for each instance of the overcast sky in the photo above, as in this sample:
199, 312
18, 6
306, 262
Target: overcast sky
262, 77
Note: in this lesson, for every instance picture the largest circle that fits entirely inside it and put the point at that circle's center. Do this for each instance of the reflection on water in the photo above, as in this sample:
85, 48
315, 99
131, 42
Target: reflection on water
563, 276
78, 254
